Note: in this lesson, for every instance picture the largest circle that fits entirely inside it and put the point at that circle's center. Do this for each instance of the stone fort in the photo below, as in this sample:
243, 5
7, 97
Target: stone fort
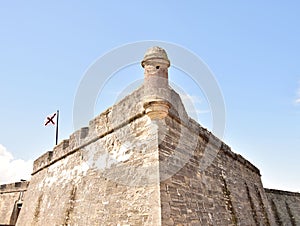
144, 161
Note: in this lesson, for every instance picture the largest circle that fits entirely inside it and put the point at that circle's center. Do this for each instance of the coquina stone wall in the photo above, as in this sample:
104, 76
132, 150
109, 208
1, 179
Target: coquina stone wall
285, 206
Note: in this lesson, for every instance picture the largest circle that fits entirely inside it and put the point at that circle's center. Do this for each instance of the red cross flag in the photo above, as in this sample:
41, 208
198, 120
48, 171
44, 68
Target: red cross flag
50, 120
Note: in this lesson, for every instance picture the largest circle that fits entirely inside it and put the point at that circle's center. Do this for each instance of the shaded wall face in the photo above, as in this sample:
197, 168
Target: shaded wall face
226, 192
285, 206
11, 200
91, 186
7, 207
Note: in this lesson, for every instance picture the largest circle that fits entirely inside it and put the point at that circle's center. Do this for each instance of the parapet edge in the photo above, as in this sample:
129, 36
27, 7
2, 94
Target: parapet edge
14, 187
281, 192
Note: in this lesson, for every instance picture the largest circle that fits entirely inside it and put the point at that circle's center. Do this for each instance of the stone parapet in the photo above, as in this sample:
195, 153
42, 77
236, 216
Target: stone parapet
285, 206
42, 161
14, 187
280, 192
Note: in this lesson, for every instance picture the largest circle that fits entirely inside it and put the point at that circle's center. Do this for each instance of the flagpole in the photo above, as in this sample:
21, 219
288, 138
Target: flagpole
56, 135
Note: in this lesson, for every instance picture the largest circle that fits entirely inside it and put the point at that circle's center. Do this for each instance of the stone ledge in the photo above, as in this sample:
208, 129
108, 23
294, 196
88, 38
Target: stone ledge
14, 187
281, 192
237, 157
42, 161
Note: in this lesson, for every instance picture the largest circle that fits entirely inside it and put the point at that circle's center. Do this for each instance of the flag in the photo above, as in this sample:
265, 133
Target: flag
50, 119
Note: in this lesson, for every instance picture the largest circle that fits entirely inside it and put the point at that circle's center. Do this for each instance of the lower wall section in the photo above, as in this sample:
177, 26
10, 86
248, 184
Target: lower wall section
285, 206
11, 200
7, 206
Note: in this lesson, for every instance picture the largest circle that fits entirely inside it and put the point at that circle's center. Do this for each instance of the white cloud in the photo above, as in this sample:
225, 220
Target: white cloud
13, 170
297, 100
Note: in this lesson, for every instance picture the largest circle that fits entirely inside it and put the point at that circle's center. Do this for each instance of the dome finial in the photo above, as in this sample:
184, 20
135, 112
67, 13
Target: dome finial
156, 55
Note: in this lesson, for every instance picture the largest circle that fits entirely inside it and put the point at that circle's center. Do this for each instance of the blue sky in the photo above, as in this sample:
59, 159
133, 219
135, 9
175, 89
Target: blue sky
253, 49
